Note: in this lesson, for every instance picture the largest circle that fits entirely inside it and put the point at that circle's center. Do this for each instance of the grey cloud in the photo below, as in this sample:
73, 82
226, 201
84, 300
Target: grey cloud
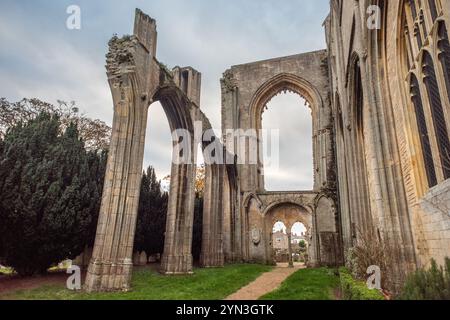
45, 60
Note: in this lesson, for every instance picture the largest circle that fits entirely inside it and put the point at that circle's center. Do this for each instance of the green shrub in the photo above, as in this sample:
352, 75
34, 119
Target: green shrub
431, 284
355, 289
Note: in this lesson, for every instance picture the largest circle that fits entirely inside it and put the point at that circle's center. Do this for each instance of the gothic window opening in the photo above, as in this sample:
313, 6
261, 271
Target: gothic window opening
423, 131
359, 98
422, 23
287, 143
429, 107
412, 4
433, 9
437, 113
408, 52
444, 54
418, 36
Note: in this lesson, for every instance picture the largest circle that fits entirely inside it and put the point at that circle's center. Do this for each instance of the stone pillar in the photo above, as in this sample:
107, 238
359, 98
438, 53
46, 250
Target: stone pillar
272, 256
130, 68
177, 257
291, 262
227, 220
212, 243
312, 236
111, 265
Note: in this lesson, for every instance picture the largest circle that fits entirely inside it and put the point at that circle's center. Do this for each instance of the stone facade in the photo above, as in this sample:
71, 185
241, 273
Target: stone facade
246, 90
391, 138
280, 241
380, 105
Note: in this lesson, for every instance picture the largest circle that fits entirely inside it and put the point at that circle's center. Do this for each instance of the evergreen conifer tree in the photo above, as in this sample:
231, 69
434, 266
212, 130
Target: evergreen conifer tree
151, 224
50, 194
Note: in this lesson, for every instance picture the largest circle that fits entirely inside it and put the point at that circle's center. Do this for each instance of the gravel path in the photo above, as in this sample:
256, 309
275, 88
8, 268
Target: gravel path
265, 283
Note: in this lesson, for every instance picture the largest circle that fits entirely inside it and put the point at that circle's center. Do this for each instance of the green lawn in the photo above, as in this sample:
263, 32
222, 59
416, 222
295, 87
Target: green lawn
307, 284
205, 284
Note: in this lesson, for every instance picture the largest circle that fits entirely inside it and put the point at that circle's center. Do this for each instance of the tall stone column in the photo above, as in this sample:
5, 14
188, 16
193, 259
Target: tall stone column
311, 249
212, 254
177, 257
129, 66
110, 268
291, 262
181, 107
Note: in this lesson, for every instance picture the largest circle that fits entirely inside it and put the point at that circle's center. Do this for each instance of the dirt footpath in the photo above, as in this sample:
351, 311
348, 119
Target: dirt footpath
266, 283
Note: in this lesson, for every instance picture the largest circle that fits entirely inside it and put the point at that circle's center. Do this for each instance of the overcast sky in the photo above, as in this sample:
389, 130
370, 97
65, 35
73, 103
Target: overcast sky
40, 57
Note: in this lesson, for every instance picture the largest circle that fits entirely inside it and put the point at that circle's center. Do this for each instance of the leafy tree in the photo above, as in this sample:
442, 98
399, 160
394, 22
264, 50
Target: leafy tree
302, 244
50, 191
151, 224
200, 176
95, 133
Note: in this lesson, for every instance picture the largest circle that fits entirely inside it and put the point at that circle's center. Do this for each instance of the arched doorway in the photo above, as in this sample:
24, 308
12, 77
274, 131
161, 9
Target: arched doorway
286, 224
299, 243
280, 244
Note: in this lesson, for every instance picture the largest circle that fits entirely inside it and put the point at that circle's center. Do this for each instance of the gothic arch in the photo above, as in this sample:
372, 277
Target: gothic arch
136, 80
290, 218
279, 83
292, 83
419, 114
249, 197
289, 213
437, 114
266, 211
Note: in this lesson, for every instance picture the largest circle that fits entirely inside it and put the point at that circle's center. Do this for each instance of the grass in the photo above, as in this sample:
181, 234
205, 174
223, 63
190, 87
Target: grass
6, 271
205, 284
307, 284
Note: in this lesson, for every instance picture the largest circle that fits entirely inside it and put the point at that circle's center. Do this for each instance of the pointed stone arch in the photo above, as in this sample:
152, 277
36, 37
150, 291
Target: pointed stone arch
137, 80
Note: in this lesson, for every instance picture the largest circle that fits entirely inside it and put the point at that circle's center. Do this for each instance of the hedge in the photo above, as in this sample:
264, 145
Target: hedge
355, 289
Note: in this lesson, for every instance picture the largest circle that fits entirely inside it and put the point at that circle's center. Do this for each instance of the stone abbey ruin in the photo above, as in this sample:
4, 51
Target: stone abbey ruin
380, 105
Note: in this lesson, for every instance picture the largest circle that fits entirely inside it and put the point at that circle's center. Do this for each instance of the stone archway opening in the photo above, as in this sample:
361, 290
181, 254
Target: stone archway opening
197, 228
152, 210
287, 143
287, 224
159, 137
300, 243
158, 146
280, 243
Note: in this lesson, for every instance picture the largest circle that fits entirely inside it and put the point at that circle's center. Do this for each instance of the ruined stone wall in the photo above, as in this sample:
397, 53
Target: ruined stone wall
136, 80
398, 204
429, 208
246, 90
